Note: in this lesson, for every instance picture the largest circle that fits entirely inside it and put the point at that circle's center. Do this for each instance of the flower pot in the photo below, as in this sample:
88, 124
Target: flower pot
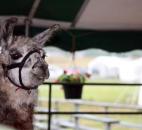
73, 91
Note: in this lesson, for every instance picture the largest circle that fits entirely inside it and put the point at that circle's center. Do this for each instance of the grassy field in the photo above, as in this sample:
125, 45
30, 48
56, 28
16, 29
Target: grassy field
100, 93
121, 94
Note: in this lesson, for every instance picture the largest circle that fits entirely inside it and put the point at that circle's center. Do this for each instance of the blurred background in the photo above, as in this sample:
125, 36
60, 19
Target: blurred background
103, 67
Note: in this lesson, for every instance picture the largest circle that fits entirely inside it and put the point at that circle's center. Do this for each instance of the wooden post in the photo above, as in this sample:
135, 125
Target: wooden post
107, 126
140, 96
76, 119
56, 116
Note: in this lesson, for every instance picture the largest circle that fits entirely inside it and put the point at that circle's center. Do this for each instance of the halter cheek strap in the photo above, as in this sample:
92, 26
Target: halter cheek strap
20, 66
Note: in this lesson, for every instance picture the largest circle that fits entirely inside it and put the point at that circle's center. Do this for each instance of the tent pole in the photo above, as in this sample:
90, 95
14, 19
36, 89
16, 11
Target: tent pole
28, 20
80, 12
27, 26
34, 9
73, 48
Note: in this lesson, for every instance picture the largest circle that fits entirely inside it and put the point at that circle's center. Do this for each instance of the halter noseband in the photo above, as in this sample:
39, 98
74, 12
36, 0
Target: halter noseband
20, 66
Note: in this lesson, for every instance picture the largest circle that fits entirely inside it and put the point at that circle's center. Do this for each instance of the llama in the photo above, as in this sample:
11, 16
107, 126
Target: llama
22, 69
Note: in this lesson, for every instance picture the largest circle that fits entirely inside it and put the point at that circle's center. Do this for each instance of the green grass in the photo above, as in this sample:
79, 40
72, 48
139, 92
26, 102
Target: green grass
119, 94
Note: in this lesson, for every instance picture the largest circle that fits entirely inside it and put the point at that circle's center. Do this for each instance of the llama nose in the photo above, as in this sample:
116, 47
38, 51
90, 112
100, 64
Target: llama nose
43, 67
40, 65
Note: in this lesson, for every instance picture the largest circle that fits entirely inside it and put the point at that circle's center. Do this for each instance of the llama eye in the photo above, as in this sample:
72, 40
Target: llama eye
16, 56
43, 56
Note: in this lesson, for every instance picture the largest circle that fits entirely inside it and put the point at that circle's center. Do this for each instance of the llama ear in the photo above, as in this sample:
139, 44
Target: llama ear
46, 35
6, 31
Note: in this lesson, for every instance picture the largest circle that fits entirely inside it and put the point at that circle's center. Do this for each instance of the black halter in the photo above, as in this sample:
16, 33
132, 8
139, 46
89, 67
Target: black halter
20, 66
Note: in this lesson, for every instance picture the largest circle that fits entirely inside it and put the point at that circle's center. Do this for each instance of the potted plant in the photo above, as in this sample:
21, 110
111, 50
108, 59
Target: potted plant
73, 84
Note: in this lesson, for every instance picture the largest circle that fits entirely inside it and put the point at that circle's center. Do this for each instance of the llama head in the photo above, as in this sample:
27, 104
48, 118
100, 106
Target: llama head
24, 56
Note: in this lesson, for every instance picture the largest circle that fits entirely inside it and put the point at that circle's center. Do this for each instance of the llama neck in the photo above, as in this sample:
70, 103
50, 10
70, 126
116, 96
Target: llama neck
16, 106
17, 96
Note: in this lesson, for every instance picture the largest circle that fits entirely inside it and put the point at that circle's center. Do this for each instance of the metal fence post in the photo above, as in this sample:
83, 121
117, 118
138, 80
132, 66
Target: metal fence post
49, 106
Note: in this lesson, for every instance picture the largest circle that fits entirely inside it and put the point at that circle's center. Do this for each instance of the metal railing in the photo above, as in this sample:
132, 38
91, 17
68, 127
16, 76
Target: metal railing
50, 113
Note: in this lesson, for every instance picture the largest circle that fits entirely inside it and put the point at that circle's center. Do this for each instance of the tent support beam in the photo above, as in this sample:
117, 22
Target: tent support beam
31, 15
80, 12
36, 22
42, 23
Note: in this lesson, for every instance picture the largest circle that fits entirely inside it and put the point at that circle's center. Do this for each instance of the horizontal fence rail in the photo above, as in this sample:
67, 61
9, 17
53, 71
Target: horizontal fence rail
98, 84
85, 112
